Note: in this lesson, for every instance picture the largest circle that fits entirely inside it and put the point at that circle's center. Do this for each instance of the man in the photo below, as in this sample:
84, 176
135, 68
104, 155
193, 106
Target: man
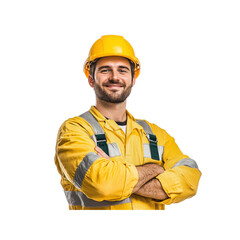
109, 160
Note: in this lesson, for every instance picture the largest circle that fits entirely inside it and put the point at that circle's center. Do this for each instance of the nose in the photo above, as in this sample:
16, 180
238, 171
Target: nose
115, 74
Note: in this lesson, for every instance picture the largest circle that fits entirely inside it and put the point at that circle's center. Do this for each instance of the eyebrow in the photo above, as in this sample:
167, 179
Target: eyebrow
107, 66
124, 67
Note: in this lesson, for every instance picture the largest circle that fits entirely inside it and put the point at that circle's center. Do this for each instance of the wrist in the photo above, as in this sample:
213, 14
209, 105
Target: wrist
161, 169
158, 169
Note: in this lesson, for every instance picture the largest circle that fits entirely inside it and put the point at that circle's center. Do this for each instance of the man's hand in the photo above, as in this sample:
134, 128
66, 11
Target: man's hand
101, 153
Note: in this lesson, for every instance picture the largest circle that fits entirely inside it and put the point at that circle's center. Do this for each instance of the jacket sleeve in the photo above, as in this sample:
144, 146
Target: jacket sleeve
98, 178
181, 176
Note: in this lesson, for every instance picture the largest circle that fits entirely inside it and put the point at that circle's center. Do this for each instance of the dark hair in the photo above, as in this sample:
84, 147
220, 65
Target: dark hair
93, 64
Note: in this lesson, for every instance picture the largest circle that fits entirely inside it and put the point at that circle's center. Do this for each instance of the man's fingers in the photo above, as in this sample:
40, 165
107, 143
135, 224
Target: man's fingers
101, 153
98, 149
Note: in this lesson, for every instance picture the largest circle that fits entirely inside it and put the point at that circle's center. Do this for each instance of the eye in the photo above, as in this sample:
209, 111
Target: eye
122, 71
104, 71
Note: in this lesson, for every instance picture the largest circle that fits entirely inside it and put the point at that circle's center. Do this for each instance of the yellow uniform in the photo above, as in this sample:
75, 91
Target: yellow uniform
93, 182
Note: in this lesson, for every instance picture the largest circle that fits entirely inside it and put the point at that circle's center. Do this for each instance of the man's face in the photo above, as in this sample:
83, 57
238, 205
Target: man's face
112, 79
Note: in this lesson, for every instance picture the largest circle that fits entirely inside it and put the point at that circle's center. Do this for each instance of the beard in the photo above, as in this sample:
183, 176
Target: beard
114, 96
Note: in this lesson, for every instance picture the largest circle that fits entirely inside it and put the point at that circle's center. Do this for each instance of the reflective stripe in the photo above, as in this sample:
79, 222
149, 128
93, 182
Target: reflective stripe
76, 198
147, 151
83, 167
151, 138
100, 137
93, 122
145, 126
188, 162
114, 150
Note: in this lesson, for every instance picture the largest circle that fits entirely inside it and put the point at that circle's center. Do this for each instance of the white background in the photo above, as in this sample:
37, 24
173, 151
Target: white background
190, 58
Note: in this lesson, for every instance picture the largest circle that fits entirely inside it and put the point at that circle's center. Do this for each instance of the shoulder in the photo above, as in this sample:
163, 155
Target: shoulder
153, 126
75, 125
158, 131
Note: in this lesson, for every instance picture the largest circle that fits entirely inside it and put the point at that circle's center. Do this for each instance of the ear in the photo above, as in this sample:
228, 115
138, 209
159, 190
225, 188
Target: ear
133, 81
90, 81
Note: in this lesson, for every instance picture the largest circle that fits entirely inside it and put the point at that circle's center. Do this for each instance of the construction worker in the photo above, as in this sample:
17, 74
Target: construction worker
107, 159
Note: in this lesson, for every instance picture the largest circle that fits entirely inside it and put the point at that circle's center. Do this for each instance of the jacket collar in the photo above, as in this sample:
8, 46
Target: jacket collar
131, 121
132, 124
97, 114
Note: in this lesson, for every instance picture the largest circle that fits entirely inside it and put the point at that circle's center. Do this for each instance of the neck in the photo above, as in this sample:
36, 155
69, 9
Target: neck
114, 111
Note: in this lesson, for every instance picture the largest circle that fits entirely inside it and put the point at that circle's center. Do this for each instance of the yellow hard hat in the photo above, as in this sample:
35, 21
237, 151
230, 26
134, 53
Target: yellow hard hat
111, 45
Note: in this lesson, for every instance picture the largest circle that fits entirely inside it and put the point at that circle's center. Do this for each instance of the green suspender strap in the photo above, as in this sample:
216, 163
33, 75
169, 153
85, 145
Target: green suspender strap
99, 137
151, 138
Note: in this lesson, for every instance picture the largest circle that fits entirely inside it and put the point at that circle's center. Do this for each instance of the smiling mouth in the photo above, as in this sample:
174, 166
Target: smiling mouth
113, 86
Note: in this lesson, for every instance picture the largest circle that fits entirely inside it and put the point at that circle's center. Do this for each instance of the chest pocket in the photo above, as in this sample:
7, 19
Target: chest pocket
151, 150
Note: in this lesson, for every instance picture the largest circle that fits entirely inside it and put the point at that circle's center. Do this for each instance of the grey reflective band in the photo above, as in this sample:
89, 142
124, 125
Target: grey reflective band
114, 150
77, 198
147, 151
145, 126
151, 138
83, 167
100, 137
93, 122
188, 162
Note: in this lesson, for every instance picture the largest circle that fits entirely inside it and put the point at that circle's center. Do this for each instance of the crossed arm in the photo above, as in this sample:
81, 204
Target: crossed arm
147, 185
150, 188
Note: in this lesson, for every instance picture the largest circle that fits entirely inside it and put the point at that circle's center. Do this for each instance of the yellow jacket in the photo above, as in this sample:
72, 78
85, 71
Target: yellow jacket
93, 182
